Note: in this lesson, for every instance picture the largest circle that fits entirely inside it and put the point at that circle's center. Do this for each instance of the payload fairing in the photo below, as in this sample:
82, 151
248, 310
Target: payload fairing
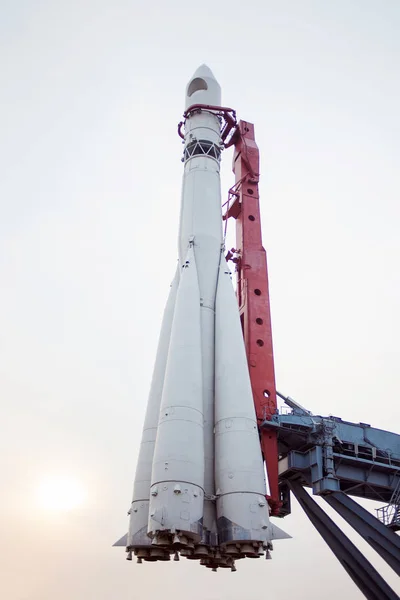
199, 488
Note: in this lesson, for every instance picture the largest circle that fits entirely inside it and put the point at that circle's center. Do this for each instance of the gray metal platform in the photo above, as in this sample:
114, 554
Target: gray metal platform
329, 454
338, 459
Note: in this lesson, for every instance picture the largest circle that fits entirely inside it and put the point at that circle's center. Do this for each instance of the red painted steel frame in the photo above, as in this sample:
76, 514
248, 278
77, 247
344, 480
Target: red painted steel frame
253, 294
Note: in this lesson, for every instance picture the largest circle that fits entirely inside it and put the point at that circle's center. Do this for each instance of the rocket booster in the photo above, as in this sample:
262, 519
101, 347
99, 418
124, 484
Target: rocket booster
199, 488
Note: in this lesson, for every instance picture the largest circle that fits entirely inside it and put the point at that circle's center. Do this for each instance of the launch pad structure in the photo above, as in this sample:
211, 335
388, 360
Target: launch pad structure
175, 508
335, 458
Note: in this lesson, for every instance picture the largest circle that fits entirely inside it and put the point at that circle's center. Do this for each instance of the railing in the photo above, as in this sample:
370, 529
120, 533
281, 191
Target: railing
389, 515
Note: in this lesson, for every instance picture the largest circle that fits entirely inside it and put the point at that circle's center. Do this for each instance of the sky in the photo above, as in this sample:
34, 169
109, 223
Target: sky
91, 92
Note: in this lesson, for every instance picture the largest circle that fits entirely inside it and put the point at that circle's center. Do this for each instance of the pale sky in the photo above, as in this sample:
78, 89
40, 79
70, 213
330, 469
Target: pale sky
91, 92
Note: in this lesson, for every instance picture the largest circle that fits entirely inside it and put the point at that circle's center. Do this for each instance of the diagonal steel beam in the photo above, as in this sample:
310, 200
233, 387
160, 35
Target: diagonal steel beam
383, 540
367, 579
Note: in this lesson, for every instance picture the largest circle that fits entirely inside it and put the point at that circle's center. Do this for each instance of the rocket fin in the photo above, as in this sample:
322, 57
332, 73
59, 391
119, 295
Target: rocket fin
122, 541
277, 533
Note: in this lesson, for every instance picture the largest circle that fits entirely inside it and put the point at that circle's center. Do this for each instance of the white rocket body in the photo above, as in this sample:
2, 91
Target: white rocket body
177, 479
139, 511
200, 485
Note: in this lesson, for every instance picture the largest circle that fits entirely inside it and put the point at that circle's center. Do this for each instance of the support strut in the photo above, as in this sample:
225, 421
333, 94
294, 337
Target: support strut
367, 579
383, 540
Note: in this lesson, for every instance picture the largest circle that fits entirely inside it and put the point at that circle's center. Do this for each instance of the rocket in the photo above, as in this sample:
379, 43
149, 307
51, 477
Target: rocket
199, 489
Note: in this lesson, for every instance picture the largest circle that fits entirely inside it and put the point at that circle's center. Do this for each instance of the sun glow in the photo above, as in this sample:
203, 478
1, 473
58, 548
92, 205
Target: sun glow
60, 493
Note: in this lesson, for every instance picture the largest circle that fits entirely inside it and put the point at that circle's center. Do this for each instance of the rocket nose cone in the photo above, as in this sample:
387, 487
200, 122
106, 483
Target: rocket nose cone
203, 71
203, 88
